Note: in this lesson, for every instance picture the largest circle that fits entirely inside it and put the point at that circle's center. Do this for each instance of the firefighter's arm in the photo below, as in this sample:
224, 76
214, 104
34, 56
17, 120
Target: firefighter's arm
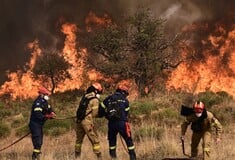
184, 126
218, 128
94, 106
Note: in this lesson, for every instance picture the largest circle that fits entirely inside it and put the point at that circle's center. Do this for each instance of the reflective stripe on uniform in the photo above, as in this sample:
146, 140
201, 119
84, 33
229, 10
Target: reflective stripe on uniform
37, 109
96, 146
95, 107
36, 150
102, 105
127, 109
78, 145
112, 147
206, 149
120, 100
131, 147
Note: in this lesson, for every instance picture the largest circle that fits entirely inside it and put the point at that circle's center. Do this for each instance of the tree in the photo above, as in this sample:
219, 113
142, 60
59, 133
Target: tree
138, 50
52, 67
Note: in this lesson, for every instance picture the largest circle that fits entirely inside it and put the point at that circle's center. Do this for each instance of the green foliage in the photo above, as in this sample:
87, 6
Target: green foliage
137, 50
4, 112
167, 116
142, 107
210, 98
148, 132
57, 127
4, 130
22, 130
18, 122
53, 67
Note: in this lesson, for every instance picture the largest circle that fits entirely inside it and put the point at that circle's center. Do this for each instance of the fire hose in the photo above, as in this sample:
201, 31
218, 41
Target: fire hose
15, 141
28, 133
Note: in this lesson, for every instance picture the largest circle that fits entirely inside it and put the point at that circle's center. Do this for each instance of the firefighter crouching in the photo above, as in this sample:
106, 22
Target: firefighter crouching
86, 112
201, 122
118, 120
41, 111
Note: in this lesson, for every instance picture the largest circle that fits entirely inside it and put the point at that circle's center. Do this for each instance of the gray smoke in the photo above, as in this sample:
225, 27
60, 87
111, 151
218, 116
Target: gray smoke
22, 21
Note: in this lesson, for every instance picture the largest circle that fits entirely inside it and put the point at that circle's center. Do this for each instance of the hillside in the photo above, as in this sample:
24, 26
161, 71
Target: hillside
155, 126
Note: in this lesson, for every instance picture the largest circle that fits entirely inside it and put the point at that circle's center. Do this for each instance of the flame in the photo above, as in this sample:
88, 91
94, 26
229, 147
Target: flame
93, 21
22, 85
214, 72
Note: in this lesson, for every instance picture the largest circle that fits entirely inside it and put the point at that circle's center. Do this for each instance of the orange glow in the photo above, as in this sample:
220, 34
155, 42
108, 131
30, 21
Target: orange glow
22, 85
93, 21
216, 72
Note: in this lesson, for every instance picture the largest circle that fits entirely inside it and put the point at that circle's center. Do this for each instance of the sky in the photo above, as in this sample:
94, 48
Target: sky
23, 21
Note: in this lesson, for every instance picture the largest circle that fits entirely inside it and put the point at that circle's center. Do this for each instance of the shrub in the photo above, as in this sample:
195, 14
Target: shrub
138, 108
4, 130
22, 130
146, 131
57, 127
168, 116
211, 98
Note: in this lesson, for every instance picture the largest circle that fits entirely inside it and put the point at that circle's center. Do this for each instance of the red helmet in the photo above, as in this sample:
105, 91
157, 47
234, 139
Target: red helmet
43, 90
97, 86
123, 87
199, 107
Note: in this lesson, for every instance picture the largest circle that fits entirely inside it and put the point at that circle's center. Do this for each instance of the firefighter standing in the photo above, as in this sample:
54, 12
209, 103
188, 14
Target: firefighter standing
201, 122
85, 125
120, 126
41, 111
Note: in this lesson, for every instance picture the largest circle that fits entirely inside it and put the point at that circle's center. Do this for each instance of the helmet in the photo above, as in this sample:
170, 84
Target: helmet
199, 107
123, 89
43, 90
98, 87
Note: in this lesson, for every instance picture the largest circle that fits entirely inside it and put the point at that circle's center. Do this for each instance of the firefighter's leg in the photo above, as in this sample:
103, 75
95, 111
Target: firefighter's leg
112, 138
93, 137
206, 145
125, 132
196, 137
37, 140
80, 133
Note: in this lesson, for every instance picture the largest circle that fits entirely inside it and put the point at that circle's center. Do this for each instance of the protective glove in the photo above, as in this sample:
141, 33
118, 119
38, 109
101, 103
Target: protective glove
217, 140
52, 115
182, 138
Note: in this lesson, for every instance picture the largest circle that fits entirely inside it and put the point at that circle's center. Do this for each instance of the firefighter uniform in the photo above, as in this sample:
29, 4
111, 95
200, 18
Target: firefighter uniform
201, 130
39, 114
119, 126
87, 127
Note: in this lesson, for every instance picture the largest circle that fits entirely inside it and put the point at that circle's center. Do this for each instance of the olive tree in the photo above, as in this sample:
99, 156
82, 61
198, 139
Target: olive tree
137, 50
52, 67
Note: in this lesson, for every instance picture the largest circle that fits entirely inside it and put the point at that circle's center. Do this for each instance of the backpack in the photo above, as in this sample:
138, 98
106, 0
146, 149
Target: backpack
113, 110
81, 111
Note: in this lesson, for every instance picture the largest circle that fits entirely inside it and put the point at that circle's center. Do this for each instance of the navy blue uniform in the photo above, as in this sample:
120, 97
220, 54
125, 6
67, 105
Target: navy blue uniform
120, 126
40, 108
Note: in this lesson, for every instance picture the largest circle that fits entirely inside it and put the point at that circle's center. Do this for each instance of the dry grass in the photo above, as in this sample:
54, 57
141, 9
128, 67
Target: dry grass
147, 148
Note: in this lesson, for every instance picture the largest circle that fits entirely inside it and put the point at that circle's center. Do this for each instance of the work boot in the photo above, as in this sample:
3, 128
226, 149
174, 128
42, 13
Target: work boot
98, 155
77, 154
113, 154
132, 155
35, 156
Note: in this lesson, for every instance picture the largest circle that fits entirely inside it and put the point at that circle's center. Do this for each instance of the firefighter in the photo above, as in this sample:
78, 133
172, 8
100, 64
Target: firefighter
41, 111
85, 123
119, 124
202, 122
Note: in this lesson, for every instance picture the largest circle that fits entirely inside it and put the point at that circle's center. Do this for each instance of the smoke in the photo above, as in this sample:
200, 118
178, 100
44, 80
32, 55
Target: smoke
23, 21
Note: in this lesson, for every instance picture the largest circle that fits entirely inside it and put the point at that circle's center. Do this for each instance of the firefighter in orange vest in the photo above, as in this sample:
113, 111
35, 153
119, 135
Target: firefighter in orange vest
41, 111
201, 122
86, 112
